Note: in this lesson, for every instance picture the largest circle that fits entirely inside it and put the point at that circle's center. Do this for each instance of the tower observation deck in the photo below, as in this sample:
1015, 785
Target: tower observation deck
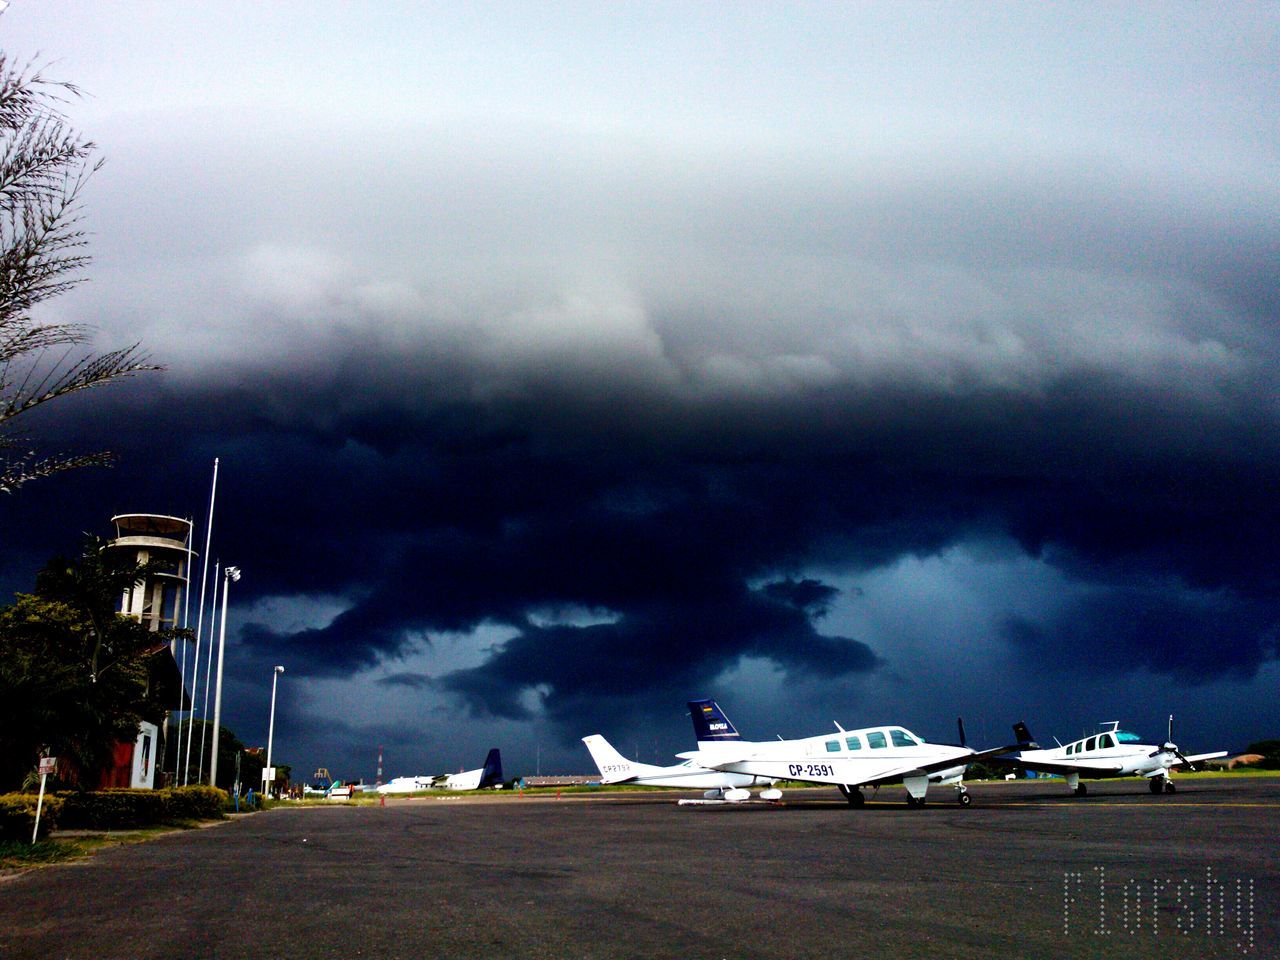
163, 542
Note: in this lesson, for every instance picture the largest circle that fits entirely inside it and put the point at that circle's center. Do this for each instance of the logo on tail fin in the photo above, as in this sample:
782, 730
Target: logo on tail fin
710, 723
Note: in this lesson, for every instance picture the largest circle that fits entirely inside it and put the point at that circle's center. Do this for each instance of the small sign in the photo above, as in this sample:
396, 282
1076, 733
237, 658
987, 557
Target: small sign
47, 765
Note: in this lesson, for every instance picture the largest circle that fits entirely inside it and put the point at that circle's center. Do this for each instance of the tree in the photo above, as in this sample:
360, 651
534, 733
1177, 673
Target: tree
75, 676
229, 747
44, 164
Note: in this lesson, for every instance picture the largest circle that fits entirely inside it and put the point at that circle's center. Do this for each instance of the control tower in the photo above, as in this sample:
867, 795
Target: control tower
162, 541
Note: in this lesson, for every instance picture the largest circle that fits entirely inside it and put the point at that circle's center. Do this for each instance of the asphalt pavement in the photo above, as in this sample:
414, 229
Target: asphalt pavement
1026, 871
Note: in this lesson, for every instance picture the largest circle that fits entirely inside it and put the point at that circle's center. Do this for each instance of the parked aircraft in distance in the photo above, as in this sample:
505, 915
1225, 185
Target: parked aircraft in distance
847, 759
615, 768
487, 776
1111, 752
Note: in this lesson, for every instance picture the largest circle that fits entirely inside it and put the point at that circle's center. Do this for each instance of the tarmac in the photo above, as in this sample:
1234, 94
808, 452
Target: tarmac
1026, 871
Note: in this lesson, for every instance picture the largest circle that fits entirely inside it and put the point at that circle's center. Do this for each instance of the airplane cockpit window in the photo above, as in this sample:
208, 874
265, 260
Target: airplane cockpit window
876, 741
901, 738
833, 746
1105, 741
853, 743
1127, 736
1091, 743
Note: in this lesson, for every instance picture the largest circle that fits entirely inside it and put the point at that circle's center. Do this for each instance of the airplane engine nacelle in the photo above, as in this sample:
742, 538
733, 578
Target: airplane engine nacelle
949, 777
737, 795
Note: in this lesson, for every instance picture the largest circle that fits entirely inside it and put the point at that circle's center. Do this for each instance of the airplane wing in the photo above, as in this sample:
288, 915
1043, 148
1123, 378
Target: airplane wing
1204, 756
1048, 766
924, 769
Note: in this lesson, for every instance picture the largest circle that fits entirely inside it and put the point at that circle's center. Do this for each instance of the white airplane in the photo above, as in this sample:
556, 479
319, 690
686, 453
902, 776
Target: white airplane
851, 760
488, 775
1112, 752
615, 768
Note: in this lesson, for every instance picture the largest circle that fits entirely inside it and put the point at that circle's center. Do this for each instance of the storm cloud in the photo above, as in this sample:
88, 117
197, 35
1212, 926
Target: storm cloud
545, 399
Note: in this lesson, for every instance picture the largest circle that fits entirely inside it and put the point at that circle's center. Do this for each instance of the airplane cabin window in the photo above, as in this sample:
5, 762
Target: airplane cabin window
901, 738
853, 743
833, 746
1091, 743
876, 741
1105, 741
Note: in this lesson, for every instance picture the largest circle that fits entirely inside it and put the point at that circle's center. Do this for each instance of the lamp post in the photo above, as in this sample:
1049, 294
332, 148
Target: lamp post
271, 729
229, 575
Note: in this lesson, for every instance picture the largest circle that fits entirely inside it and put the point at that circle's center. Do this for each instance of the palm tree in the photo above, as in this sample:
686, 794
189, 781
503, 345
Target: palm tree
44, 164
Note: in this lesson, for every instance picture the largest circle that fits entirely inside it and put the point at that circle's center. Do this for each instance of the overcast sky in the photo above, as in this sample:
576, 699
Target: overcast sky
869, 363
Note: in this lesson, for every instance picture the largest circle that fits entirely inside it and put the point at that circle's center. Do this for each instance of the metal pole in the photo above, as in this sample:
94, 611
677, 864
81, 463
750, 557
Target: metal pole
271, 725
208, 668
204, 579
228, 575
182, 671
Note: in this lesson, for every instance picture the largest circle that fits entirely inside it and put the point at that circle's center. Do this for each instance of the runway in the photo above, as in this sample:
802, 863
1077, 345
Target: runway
1027, 870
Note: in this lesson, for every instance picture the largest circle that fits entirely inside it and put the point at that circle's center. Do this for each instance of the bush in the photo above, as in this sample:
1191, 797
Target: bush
113, 809
196, 803
18, 815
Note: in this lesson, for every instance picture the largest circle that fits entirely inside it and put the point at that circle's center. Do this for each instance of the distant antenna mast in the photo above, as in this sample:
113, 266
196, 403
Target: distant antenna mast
379, 783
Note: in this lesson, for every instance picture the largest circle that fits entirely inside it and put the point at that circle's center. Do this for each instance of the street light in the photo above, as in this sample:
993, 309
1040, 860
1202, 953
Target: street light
229, 575
271, 728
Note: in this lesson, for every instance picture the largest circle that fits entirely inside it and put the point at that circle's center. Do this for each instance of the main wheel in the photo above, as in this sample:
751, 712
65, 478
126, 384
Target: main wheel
1081, 789
965, 799
1170, 786
1157, 784
915, 801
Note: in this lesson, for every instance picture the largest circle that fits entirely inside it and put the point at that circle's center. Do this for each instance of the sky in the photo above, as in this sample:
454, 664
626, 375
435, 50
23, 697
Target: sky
870, 363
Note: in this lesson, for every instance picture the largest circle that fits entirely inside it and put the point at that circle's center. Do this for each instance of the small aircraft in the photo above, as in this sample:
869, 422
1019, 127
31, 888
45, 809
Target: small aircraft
848, 759
731, 787
488, 775
1111, 752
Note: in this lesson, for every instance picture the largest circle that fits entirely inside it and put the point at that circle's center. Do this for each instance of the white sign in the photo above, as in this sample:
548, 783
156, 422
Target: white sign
47, 765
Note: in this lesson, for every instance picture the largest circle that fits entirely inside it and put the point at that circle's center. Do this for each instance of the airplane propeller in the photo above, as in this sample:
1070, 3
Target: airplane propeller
1170, 747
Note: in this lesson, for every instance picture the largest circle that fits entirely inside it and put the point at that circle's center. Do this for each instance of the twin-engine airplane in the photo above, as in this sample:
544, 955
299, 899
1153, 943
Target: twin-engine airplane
1110, 753
848, 759
487, 776
731, 787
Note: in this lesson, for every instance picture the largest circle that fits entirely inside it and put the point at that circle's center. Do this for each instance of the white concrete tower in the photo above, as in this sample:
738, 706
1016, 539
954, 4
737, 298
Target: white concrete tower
156, 599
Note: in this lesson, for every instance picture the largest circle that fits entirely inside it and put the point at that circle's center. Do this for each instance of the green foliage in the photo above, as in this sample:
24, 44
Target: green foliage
18, 816
128, 809
229, 747
196, 803
74, 674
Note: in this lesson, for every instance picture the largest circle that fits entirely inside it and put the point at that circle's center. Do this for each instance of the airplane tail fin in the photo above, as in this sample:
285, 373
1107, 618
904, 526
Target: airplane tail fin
709, 722
613, 766
1023, 734
492, 771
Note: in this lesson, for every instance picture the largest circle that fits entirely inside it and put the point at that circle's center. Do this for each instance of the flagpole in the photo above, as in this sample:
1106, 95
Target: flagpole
204, 579
208, 669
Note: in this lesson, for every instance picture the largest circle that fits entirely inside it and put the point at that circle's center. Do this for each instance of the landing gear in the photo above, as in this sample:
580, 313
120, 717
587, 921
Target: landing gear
1170, 786
1081, 789
915, 801
1156, 784
853, 795
964, 799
